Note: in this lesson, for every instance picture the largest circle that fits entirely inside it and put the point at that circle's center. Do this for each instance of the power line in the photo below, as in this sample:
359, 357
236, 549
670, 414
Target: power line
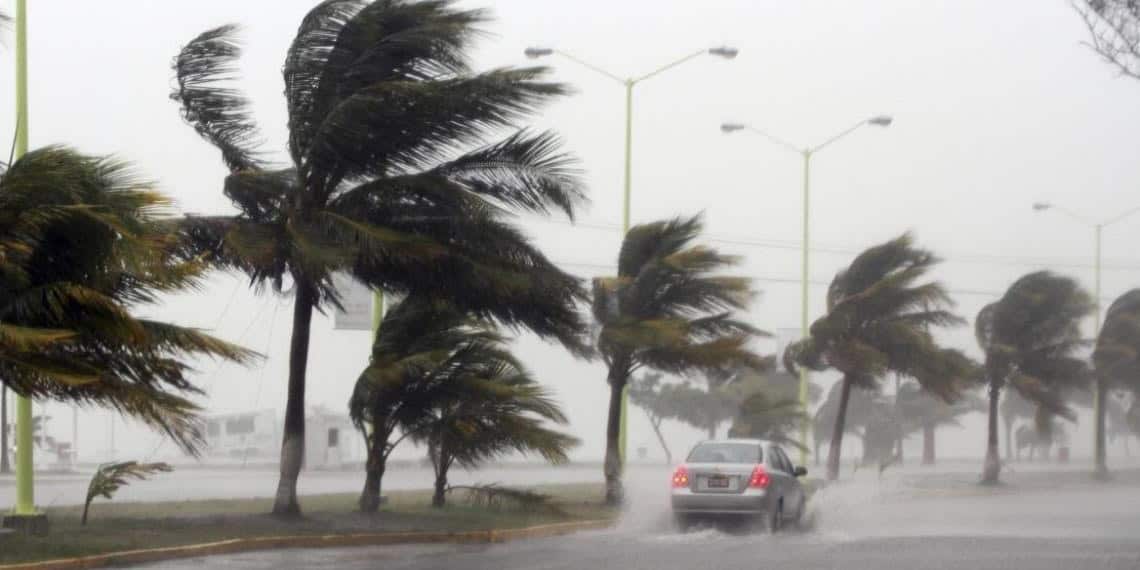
960, 257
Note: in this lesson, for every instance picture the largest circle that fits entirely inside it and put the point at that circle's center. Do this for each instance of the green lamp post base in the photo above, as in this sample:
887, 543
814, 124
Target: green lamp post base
34, 524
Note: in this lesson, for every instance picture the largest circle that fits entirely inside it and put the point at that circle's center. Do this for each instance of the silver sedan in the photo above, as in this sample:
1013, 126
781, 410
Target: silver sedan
738, 477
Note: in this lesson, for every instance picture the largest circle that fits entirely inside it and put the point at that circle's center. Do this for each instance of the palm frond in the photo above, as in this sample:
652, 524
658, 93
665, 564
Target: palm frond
110, 477
220, 114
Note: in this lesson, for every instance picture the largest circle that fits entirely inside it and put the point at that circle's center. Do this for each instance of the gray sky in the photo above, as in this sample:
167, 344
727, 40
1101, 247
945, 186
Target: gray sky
997, 105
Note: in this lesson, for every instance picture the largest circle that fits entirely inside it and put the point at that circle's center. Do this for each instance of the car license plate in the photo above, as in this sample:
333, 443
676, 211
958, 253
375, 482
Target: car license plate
718, 482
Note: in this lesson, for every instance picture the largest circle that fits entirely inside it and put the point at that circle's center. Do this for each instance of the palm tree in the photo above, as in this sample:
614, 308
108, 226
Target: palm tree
496, 408
667, 310
410, 368
918, 409
1031, 338
381, 102
1116, 360
83, 242
762, 416
878, 322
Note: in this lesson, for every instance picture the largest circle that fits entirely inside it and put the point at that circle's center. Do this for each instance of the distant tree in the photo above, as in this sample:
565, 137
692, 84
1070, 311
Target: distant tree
1116, 361
647, 393
1114, 32
1014, 408
5, 467
382, 102
1031, 338
877, 322
762, 416
667, 310
919, 410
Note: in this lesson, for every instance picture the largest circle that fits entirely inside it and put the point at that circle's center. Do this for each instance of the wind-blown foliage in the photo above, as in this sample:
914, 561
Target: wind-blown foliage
877, 322
1116, 360
497, 408
110, 477
383, 110
668, 310
761, 416
412, 359
83, 243
1031, 338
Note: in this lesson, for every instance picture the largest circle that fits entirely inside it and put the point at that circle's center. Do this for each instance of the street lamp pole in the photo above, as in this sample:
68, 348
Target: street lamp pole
25, 472
806, 153
1099, 391
627, 182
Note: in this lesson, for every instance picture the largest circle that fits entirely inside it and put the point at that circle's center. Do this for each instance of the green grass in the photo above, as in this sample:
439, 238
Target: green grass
116, 527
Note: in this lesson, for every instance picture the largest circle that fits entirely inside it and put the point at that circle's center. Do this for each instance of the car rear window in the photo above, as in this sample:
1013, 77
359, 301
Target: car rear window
726, 453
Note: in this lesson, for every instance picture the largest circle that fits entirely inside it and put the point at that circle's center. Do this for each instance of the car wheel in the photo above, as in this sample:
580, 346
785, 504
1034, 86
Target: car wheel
776, 519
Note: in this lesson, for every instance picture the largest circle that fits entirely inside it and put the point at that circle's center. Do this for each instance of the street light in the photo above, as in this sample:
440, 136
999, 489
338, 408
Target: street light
1098, 389
535, 52
806, 153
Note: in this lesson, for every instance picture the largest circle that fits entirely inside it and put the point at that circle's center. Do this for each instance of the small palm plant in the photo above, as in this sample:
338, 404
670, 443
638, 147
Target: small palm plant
110, 477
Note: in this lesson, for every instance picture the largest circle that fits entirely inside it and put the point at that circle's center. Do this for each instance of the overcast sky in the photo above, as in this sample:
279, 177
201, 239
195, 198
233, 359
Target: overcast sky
996, 105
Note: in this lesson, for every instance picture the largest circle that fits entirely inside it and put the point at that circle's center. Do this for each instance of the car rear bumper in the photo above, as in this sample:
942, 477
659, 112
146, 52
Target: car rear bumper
749, 502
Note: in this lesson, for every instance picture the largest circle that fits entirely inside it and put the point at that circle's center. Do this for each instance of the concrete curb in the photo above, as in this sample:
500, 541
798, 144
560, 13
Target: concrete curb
313, 541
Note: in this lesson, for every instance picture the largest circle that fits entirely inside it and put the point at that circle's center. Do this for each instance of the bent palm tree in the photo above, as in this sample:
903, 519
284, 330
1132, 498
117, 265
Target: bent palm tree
381, 102
496, 408
877, 322
408, 372
82, 243
1117, 362
667, 310
1031, 337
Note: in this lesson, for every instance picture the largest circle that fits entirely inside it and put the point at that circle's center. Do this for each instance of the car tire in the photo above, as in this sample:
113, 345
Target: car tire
776, 519
682, 522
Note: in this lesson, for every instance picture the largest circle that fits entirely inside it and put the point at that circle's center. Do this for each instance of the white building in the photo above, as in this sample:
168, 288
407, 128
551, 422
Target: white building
244, 436
331, 441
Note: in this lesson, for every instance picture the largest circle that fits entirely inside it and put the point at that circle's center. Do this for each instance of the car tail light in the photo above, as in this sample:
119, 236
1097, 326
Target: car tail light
681, 477
759, 479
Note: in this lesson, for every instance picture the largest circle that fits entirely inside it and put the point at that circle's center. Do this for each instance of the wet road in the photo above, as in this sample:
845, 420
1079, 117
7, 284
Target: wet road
865, 523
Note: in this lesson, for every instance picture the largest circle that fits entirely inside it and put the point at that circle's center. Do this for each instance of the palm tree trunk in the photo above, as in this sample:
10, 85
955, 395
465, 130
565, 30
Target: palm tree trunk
613, 466
293, 442
5, 467
86, 507
928, 444
992, 468
817, 443
837, 431
1008, 438
1101, 466
373, 474
656, 423
439, 498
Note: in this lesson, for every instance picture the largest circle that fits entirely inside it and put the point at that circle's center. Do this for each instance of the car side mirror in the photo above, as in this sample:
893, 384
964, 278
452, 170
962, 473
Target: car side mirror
799, 471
